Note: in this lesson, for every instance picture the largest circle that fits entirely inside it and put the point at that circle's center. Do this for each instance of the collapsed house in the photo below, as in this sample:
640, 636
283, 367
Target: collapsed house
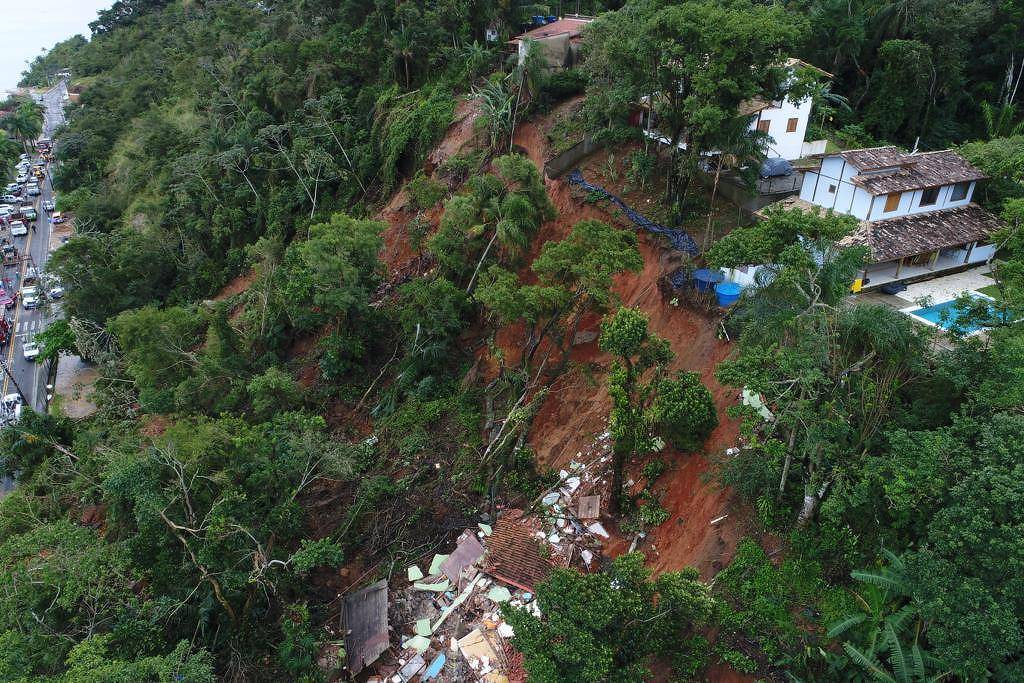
443, 623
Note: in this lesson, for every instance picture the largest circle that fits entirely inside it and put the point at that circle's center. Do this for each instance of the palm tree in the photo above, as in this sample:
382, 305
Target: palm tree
999, 120
497, 111
513, 219
825, 100
402, 48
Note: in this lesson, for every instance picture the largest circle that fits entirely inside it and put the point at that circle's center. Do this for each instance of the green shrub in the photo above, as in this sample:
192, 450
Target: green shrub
563, 84
685, 411
425, 192
654, 469
651, 513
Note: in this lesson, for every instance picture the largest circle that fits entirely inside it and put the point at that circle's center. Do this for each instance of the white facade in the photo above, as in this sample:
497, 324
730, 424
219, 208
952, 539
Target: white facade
832, 187
786, 123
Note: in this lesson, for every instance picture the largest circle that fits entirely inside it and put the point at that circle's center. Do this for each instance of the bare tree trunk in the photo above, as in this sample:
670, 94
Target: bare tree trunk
472, 280
811, 502
711, 213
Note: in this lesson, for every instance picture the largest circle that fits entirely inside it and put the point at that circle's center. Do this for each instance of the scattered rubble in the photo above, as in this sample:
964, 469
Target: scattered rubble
448, 618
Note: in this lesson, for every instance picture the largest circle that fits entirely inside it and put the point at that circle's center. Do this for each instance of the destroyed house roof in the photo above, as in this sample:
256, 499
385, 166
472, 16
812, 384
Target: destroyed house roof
467, 553
921, 233
889, 169
366, 625
514, 554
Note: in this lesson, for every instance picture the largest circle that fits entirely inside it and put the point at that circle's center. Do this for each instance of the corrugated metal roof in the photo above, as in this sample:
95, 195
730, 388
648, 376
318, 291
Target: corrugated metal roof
366, 624
514, 553
467, 552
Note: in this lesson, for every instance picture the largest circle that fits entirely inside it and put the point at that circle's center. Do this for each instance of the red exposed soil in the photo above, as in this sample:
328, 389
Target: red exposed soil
237, 285
577, 407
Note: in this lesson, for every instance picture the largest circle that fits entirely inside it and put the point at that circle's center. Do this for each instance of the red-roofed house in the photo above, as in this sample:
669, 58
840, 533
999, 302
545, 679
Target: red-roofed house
559, 42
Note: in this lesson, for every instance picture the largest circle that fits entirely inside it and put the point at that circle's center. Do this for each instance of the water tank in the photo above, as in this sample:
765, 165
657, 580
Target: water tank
727, 293
704, 280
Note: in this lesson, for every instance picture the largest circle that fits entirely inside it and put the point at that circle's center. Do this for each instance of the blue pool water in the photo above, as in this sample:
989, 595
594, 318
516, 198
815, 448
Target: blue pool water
947, 315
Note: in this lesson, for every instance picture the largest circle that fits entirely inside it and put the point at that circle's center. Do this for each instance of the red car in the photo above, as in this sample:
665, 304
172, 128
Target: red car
5, 299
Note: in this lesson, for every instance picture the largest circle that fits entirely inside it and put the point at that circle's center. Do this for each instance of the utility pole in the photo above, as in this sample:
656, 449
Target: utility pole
10, 375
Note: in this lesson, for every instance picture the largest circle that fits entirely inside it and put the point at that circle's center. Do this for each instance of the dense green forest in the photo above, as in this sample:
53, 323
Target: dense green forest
331, 414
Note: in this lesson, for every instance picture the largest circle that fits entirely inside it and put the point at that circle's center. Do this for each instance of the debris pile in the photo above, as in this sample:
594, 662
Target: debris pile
447, 616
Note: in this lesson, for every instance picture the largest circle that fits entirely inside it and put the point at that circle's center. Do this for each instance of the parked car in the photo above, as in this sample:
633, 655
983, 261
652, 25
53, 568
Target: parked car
30, 297
31, 275
30, 349
48, 206
11, 188
58, 217
18, 229
23, 178
56, 291
9, 199
6, 300
29, 213
33, 190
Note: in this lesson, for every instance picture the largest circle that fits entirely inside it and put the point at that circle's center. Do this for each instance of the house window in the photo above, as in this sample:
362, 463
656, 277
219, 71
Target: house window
791, 125
764, 125
831, 189
892, 201
959, 192
929, 196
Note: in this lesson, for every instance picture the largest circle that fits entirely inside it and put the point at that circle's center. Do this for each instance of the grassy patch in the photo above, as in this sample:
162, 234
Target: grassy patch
565, 132
990, 290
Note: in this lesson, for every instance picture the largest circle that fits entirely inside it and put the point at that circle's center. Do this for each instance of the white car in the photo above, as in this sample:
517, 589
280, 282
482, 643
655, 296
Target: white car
30, 297
48, 206
21, 179
33, 190
18, 229
30, 349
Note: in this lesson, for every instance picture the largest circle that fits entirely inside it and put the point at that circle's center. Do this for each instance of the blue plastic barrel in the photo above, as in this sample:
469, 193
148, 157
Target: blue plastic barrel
704, 279
552, 18
727, 293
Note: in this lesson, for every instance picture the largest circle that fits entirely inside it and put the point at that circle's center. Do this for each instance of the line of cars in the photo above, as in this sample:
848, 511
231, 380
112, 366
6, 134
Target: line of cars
34, 286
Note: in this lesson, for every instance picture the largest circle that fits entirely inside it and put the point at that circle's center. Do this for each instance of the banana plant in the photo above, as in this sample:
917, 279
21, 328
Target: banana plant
885, 639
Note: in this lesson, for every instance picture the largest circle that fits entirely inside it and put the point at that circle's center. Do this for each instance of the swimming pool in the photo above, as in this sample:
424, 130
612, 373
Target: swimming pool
947, 315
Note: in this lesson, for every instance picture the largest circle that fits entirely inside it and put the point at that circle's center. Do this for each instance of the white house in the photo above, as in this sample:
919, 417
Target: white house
915, 210
785, 121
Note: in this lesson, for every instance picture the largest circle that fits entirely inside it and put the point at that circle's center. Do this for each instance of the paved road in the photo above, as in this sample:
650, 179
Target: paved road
31, 377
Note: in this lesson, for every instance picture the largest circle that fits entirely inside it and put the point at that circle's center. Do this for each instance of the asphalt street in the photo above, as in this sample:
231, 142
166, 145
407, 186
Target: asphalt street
29, 378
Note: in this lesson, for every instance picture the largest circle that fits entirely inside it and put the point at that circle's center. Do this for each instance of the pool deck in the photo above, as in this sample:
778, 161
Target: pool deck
931, 292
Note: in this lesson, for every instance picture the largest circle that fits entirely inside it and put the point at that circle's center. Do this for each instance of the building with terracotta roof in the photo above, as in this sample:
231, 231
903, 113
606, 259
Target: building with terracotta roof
915, 210
557, 41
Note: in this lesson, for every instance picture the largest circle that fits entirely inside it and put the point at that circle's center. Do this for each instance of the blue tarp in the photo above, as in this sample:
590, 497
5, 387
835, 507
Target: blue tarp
679, 239
776, 168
